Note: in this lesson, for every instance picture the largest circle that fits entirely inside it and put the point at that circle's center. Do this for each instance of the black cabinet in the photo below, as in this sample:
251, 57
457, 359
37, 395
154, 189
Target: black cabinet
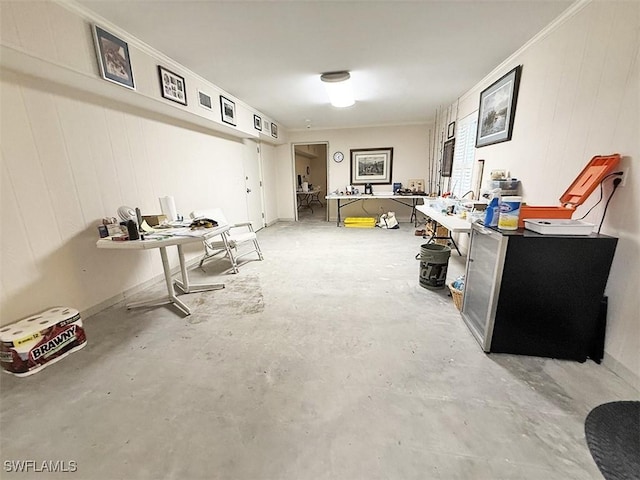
533, 294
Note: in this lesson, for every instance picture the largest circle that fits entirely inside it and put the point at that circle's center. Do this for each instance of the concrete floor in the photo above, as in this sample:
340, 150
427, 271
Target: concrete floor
325, 361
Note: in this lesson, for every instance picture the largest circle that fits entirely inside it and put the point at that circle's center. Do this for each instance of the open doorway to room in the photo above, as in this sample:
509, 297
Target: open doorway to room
310, 167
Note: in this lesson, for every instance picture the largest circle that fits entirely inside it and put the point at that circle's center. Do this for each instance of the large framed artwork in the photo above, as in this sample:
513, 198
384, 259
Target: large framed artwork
113, 58
497, 109
172, 86
371, 165
447, 158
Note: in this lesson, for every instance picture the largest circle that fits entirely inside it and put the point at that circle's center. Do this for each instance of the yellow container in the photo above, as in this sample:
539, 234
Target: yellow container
360, 222
509, 213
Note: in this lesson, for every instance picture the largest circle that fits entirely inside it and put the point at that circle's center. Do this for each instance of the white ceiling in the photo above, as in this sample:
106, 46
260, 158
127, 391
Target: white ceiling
406, 58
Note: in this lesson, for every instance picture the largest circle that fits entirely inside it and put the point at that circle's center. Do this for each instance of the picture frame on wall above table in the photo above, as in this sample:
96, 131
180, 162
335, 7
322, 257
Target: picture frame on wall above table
172, 86
371, 165
274, 130
113, 58
257, 123
497, 109
227, 110
447, 158
451, 130
205, 100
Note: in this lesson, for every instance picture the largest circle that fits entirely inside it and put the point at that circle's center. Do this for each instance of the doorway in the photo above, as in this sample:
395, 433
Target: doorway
310, 177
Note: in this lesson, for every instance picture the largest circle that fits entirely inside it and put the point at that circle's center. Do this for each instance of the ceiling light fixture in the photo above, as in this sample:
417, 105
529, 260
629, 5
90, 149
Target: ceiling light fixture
338, 86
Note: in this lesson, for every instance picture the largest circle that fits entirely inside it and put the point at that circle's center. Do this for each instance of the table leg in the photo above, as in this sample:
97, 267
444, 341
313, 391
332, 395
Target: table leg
414, 215
338, 222
184, 286
454, 244
435, 236
171, 294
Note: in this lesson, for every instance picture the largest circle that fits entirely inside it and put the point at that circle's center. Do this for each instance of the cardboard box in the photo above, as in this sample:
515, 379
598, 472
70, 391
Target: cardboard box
154, 220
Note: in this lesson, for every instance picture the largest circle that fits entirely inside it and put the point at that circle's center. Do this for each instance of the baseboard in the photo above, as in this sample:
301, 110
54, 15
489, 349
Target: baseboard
632, 378
132, 291
273, 222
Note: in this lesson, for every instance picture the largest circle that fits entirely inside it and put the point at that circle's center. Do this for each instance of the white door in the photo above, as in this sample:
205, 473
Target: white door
253, 183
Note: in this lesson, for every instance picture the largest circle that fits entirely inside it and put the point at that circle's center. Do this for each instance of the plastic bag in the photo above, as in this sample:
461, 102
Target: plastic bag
388, 221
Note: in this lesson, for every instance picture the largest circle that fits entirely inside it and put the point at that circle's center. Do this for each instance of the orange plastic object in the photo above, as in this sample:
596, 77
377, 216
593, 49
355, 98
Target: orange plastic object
590, 177
527, 212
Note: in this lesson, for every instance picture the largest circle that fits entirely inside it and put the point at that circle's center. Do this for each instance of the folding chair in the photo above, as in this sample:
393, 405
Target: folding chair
228, 242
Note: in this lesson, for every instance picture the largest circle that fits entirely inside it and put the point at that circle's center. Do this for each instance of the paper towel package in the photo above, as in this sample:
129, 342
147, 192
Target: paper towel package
31, 344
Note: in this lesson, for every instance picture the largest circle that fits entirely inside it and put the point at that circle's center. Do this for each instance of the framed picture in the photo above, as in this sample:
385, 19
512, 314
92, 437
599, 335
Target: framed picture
172, 86
266, 126
497, 109
371, 165
228, 110
204, 100
113, 58
447, 158
416, 185
451, 130
257, 123
274, 130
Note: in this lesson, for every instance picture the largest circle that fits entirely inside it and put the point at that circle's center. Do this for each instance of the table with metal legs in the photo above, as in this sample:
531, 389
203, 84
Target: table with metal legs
305, 199
410, 201
161, 240
452, 223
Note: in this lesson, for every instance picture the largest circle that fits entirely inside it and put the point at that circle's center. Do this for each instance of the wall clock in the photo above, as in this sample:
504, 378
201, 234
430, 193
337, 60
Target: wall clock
338, 157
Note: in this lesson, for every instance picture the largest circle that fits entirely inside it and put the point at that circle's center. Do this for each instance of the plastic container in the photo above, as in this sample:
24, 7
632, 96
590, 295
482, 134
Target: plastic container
360, 222
507, 187
434, 261
509, 213
553, 226
527, 211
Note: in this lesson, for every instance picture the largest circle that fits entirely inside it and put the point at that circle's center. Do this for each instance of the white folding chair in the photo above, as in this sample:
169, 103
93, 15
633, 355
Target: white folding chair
227, 243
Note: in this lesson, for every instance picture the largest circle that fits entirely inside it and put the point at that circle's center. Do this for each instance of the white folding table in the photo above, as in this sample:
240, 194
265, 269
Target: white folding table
451, 222
305, 199
162, 239
377, 196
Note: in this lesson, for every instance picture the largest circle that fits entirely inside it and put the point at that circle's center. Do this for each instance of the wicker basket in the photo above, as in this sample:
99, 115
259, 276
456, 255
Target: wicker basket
457, 296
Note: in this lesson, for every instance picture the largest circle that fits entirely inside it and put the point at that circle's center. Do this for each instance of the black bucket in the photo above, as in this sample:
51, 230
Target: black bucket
434, 260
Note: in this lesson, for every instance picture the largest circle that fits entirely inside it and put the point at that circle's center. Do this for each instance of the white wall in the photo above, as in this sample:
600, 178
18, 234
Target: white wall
75, 148
66, 163
579, 98
410, 160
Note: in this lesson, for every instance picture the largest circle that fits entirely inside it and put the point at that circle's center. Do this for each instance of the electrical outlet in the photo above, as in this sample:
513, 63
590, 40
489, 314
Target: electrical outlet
623, 177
